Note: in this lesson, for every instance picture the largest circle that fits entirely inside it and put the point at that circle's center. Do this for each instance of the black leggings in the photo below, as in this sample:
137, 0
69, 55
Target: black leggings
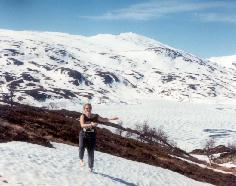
87, 140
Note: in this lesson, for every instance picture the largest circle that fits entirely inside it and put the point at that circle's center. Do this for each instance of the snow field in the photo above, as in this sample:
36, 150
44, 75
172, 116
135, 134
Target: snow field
33, 165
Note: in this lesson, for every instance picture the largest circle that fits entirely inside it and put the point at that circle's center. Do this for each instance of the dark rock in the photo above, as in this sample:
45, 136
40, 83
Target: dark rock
62, 53
86, 94
32, 70
30, 84
77, 76
193, 86
28, 77
136, 75
38, 94
34, 63
16, 61
9, 77
128, 83
108, 77
16, 83
168, 52
158, 72
169, 77
56, 59
67, 94
12, 52
191, 77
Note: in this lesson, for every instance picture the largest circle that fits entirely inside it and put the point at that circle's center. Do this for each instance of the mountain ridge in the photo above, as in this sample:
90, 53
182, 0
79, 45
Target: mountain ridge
45, 67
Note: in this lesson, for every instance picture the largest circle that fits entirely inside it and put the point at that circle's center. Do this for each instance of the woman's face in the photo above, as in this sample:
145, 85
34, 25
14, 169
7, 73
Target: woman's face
87, 109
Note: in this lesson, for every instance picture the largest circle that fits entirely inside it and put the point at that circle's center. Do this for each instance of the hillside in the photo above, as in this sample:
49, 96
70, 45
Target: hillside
40, 126
45, 68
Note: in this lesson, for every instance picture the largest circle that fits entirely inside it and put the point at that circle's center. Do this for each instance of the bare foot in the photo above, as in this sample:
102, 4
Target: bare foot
81, 162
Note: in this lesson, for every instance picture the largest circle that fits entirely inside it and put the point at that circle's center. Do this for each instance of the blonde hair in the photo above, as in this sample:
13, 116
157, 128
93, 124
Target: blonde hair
87, 104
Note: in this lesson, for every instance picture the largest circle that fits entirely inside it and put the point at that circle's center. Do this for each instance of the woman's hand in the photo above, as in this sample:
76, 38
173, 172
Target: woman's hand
93, 124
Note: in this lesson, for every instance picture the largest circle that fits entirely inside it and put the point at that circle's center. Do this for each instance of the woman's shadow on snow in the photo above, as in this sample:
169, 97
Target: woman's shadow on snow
116, 179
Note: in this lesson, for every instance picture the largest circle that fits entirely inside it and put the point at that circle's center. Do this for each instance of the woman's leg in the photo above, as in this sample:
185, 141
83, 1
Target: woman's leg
91, 149
90, 157
81, 148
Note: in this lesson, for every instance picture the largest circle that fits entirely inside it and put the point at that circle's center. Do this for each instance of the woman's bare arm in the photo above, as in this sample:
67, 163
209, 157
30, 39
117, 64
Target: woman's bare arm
101, 119
83, 125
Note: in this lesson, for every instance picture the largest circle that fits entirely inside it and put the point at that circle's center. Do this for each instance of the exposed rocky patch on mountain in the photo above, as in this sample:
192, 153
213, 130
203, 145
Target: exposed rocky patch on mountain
15, 61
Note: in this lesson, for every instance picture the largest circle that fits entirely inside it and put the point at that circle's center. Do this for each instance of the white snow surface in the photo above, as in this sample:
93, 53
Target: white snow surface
226, 61
229, 165
33, 165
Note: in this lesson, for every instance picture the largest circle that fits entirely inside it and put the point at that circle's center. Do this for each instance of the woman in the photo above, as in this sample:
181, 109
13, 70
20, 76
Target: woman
87, 135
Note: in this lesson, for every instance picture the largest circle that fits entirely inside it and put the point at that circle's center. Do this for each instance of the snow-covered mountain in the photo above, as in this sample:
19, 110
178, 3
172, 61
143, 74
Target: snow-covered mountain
45, 67
226, 61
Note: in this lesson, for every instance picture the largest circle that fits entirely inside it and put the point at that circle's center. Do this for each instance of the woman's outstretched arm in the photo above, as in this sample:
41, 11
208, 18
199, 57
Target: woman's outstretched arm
101, 119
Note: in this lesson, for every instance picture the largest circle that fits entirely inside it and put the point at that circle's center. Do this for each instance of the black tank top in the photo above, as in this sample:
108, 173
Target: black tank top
88, 120
93, 118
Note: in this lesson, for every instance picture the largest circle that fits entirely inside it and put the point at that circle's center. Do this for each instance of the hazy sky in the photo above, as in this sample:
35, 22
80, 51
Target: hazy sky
202, 27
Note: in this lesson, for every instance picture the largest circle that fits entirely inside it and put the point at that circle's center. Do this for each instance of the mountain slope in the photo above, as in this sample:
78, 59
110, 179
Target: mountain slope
226, 61
46, 67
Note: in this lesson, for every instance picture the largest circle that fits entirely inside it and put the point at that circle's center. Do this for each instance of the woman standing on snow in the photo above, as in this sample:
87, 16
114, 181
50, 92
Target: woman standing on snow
87, 135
